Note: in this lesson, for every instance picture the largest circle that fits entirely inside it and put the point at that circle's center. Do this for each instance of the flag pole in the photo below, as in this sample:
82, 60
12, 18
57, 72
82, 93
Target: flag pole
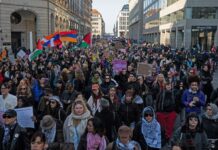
31, 41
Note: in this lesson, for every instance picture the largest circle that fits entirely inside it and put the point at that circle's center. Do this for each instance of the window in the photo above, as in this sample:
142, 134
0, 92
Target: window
204, 12
15, 18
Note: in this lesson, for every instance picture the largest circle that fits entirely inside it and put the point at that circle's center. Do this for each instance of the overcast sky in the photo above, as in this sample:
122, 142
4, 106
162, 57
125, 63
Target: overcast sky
109, 10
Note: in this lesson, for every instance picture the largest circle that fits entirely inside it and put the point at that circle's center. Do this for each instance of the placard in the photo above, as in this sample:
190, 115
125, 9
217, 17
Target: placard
144, 69
24, 117
119, 65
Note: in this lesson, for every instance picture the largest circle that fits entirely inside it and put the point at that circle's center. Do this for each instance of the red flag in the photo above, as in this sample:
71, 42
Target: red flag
87, 38
39, 45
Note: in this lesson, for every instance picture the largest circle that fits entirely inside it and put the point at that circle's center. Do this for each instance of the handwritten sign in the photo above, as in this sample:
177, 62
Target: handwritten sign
144, 69
119, 65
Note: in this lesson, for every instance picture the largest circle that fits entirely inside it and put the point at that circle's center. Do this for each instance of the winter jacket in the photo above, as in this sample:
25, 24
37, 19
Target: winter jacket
188, 140
187, 97
111, 122
18, 139
128, 113
166, 101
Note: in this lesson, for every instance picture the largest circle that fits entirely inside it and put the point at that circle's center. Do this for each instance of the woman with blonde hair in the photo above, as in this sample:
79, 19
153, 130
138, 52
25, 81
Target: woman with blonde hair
24, 92
158, 85
75, 124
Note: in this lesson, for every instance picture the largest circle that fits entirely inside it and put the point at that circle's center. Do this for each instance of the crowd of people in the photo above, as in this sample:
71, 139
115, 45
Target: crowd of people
80, 103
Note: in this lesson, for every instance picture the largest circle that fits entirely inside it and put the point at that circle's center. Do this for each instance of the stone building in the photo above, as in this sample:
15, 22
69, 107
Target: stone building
41, 17
98, 24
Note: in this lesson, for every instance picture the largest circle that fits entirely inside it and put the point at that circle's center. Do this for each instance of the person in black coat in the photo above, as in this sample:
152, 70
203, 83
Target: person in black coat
12, 135
206, 79
214, 96
191, 136
110, 120
129, 111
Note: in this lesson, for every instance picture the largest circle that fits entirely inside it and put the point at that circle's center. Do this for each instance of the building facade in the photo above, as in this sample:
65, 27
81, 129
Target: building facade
98, 24
122, 26
136, 20
41, 17
181, 23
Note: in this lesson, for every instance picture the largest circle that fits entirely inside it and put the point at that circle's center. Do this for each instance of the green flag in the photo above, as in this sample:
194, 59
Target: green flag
87, 41
35, 54
84, 45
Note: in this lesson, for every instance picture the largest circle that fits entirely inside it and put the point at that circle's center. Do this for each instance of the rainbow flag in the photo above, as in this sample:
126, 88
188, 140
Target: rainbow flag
69, 36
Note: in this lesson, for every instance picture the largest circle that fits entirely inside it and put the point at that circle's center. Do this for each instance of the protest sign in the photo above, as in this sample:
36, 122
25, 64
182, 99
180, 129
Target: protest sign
119, 65
143, 69
21, 54
24, 117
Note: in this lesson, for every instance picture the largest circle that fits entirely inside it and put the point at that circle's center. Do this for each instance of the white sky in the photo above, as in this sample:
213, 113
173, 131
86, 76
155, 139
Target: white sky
109, 10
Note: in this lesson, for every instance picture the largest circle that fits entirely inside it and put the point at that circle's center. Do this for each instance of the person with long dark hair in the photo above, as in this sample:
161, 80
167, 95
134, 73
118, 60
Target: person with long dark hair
93, 138
190, 136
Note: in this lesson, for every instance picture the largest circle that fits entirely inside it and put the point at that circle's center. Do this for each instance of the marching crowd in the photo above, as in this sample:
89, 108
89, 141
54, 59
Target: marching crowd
80, 103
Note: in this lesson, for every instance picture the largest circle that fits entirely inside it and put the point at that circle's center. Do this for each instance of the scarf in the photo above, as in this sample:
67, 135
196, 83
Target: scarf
94, 105
7, 131
75, 132
129, 146
94, 141
50, 134
151, 131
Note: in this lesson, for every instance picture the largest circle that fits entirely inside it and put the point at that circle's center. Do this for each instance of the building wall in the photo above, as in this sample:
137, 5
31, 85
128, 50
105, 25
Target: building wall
183, 23
135, 20
98, 24
51, 16
122, 25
